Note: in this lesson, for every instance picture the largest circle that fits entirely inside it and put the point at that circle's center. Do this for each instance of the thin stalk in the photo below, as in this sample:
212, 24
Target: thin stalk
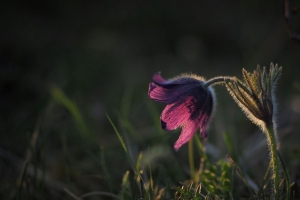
203, 160
217, 80
191, 158
22, 180
239, 173
274, 159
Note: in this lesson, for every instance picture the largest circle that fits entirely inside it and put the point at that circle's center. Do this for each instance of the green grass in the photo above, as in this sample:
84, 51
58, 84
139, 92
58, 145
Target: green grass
129, 161
132, 169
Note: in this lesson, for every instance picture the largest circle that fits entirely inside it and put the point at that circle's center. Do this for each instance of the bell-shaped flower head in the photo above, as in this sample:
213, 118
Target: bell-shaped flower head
190, 104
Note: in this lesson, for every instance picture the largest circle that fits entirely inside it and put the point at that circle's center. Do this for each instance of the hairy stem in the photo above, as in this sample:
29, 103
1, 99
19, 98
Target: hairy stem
218, 80
272, 144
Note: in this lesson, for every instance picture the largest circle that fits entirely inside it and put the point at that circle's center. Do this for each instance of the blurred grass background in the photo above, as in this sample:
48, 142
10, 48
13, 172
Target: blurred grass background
64, 64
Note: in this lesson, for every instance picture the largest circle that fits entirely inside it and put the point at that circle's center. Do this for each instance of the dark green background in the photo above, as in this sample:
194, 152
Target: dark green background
102, 55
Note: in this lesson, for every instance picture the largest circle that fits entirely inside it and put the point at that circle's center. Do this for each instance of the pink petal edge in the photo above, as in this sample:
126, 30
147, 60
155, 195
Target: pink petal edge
187, 132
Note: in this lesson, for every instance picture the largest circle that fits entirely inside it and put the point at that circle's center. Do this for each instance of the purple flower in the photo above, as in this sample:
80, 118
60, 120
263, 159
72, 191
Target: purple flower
190, 104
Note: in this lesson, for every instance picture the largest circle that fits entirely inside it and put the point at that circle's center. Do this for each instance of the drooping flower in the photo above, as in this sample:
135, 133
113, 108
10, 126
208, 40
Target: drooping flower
190, 104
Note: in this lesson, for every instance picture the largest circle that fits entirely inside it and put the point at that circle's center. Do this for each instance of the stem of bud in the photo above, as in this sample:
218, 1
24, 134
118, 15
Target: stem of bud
218, 80
272, 145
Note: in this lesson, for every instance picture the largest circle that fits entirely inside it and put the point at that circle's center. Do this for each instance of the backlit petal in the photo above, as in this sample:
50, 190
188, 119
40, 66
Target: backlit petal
170, 91
167, 95
187, 132
158, 79
175, 115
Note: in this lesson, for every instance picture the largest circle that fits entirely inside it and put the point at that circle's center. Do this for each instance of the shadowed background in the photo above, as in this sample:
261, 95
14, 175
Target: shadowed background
64, 65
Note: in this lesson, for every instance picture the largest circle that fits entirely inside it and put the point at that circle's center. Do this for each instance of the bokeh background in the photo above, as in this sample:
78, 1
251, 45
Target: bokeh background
99, 57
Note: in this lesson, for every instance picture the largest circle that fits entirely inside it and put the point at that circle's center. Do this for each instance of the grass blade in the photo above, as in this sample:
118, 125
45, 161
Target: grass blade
100, 193
240, 174
122, 142
104, 169
59, 96
127, 153
22, 180
288, 192
72, 194
125, 192
191, 158
264, 182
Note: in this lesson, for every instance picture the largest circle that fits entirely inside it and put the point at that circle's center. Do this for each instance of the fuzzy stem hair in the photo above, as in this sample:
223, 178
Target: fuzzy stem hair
272, 145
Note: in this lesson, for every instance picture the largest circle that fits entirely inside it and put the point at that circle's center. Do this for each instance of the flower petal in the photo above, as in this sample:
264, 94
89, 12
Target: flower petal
162, 94
191, 126
162, 90
175, 115
171, 91
203, 124
187, 132
158, 79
